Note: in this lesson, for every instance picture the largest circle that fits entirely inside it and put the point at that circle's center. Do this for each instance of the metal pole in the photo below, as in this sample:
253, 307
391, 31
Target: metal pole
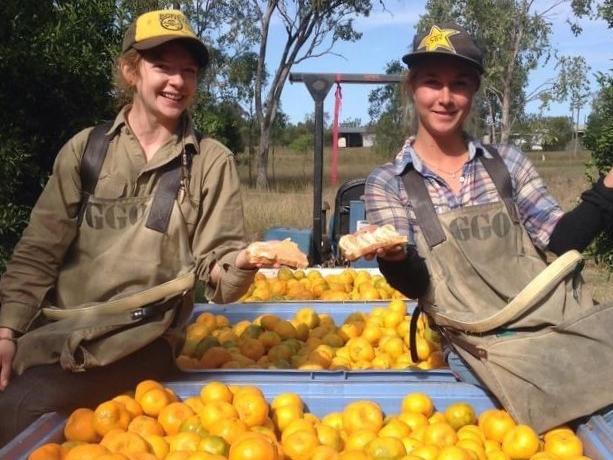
319, 85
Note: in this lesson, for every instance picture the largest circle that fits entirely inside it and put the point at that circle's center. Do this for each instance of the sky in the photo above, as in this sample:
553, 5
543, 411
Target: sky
387, 35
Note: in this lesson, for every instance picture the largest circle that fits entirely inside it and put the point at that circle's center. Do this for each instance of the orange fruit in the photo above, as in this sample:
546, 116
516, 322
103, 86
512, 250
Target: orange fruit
300, 445
333, 419
353, 455
473, 446
298, 425
173, 415
324, 453
329, 436
426, 452
158, 445
460, 414
472, 432
86, 452
195, 403
253, 446
229, 429
140, 456
382, 447
437, 417
113, 456
49, 451
410, 444
563, 445
145, 386
214, 358
453, 453
284, 415
193, 424
125, 442
520, 442
495, 424
395, 428
110, 415
413, 419
80, 426
440, 434
418, 402
554, 431
286, 399
132, 406
144, 425
184, 441
216, 411
362, 415
179, 455
214, 445
154, 400
252, 409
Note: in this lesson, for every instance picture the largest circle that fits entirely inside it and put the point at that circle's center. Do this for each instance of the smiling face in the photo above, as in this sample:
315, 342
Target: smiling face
442, 90
165, 81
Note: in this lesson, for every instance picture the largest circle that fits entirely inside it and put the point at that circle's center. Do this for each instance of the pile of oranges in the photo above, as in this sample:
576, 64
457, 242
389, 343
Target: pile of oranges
226, 422
378, 339
349, 284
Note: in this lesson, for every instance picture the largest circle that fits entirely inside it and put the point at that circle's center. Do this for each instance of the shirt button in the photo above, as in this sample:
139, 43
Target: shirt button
462, 179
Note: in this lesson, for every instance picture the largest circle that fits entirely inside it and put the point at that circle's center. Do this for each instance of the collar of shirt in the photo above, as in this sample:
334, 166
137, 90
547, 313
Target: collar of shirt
189, 132
408, 156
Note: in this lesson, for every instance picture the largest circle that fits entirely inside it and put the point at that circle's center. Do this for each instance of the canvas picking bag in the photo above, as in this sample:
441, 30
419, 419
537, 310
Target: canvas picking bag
529, 331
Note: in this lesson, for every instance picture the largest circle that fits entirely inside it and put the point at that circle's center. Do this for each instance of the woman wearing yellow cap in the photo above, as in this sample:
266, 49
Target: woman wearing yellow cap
134, 210
478, 220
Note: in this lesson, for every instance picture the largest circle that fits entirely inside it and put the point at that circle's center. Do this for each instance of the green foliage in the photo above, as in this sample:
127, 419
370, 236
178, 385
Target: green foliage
302, 144
55, 61
599, 139
389, 114
553, 133
222, 121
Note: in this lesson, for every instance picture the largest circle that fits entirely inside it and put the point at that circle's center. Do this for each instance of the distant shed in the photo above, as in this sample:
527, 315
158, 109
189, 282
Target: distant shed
360, 136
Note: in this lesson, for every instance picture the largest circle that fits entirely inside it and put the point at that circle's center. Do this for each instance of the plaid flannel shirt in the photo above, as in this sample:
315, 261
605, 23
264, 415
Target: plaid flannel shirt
387, 202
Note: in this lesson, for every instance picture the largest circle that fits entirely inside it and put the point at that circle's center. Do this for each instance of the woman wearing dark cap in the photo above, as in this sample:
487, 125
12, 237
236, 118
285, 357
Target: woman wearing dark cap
479, 219
117, 237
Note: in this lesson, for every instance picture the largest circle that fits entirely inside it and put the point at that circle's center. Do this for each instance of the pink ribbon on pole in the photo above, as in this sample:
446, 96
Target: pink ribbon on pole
338, 98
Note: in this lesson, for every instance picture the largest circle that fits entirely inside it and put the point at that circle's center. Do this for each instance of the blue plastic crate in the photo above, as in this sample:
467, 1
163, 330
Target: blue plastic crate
321, 398
338, 311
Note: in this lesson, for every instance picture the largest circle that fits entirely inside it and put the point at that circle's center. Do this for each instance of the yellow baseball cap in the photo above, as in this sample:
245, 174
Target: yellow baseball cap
158, 27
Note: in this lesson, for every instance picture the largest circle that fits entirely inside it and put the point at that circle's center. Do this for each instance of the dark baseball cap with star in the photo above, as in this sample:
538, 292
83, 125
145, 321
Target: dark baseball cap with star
446, 39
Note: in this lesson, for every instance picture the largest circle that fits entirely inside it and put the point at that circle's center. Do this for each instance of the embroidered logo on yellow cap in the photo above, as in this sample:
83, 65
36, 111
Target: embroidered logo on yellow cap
161, 23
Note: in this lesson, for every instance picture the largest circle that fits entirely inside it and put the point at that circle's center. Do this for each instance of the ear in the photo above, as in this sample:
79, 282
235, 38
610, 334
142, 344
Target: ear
129, 73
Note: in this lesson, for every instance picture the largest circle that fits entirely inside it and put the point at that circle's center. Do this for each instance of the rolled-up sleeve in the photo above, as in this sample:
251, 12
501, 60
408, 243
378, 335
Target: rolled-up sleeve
220, 231
33, 269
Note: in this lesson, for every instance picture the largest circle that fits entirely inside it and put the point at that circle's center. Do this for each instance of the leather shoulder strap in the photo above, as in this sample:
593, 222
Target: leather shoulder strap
498, 171
91, 163
425, 214
165, 194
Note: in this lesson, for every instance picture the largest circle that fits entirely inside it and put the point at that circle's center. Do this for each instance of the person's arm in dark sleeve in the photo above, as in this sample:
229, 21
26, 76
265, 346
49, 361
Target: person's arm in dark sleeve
576, 229
409, 275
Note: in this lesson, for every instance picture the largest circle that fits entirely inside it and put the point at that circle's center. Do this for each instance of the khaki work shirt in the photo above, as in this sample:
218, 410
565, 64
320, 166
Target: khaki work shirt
212, 209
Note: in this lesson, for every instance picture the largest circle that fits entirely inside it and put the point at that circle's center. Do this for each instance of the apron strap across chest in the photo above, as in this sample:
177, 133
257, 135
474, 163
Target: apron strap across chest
425, 214
499, 174
91, 163
164, 195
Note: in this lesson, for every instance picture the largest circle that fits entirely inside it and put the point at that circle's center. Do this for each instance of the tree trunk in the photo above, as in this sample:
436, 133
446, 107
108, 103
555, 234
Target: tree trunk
261, 182
505, 124
576, 135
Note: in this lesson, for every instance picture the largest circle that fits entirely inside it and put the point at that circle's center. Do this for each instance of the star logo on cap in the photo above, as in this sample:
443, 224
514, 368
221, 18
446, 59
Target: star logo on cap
438, 38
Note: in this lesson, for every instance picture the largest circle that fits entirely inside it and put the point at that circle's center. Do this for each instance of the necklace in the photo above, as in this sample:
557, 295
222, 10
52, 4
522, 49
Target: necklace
452, 174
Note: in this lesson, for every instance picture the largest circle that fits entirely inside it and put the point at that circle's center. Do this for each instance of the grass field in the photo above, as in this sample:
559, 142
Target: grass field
289, 203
